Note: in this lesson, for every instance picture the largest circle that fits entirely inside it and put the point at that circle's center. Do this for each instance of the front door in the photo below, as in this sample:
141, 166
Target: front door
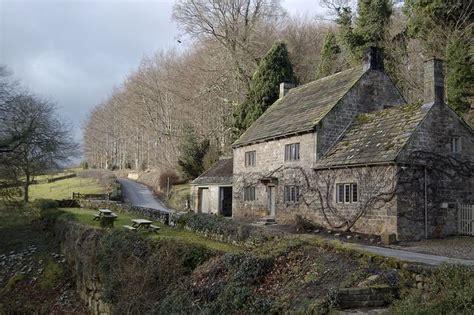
204, 200
271, 200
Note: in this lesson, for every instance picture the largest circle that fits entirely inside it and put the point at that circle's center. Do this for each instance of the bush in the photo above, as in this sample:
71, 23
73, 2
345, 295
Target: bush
45, 204
52, 275
224, 229
451, 292
163, 181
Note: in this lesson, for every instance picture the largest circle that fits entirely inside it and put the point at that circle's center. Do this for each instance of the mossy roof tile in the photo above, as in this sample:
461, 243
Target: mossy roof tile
375, 137
302, 108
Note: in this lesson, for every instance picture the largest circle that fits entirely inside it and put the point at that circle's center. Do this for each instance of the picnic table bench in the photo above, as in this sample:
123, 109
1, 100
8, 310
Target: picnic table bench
106, 217
142, 224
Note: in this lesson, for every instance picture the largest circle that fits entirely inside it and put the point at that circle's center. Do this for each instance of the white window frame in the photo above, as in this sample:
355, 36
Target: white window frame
347, 193
249, 193
456, 144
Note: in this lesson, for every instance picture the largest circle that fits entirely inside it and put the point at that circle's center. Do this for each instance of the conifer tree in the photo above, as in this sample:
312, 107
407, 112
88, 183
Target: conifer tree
368, 28
329, 54
192, 152
274, 68
445, 29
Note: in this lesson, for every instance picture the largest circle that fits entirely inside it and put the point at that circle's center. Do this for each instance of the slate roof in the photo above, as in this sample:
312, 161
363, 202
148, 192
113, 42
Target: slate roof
218, 174
375, 137
302, 108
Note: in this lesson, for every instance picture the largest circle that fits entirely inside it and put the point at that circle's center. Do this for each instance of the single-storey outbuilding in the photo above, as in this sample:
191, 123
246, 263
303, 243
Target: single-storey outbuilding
212, 191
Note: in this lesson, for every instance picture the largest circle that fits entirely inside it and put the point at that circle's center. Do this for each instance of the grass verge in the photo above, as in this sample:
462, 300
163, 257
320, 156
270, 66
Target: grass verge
63, 189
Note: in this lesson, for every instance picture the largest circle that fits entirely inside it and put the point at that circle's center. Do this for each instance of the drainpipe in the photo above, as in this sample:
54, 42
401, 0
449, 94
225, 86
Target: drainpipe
426, 203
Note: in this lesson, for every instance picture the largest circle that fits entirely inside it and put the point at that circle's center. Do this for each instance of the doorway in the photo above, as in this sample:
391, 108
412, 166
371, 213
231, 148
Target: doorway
271, 200
203, 195
225, 201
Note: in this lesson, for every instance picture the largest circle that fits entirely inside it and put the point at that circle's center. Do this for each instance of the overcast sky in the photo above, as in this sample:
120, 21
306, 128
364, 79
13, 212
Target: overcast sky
75, 51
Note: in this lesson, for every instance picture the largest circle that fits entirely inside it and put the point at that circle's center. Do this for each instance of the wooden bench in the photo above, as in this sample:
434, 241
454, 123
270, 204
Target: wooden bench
129, 227
96, 216
154, 228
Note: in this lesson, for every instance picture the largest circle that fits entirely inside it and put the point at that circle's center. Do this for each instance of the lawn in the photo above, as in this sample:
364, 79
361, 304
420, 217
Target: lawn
63, 189
85, 216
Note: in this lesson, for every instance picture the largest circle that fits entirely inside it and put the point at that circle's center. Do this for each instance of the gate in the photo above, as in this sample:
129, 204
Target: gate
466, 219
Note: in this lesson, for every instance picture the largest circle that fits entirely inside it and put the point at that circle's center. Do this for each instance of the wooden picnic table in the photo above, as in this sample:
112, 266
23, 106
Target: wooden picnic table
106, 217
142, 224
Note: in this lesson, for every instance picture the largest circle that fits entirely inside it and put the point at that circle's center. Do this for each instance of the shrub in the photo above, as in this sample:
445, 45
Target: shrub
163, 181
224, 229
45, 204
451, 292
52, 275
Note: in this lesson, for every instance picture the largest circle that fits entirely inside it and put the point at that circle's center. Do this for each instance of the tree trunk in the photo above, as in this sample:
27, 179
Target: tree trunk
26, 187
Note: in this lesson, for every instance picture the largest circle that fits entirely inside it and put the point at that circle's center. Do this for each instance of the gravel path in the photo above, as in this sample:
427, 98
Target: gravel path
456, 246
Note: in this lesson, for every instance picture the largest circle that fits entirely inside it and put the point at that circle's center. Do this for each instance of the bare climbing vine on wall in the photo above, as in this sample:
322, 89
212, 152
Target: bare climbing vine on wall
377, 185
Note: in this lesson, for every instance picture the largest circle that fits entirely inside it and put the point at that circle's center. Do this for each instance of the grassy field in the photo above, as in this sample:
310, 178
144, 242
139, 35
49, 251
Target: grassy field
179, 195
85, 216
63, 189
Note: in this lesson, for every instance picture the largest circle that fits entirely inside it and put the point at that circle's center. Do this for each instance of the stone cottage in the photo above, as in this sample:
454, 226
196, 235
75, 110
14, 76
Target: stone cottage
347, 152
212, 191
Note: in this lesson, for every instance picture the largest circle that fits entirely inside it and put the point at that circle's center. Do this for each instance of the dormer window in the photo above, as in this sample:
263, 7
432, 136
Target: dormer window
455, 144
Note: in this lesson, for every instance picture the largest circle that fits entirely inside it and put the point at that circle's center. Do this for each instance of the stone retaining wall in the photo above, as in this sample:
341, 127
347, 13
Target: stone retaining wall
80, 245
365, 297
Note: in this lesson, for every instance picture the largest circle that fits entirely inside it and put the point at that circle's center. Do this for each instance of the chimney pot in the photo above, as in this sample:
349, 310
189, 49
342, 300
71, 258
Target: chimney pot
373, 59
433, 81
285, 87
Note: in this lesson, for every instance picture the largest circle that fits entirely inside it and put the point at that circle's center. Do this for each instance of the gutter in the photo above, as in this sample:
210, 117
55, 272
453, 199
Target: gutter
354, 165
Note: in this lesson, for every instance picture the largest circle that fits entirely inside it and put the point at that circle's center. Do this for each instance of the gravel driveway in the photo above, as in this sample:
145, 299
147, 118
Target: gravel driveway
455, 246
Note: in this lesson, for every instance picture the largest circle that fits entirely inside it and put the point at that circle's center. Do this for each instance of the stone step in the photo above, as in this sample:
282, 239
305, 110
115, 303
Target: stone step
267, 221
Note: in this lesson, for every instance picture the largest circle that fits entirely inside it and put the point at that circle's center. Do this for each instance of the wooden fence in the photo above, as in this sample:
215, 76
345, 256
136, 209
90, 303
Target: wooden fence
466, 219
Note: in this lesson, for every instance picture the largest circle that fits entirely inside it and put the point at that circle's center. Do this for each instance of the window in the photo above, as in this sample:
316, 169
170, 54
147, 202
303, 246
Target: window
292, 152
455, 145
291, 194
347, 193
249, 193
250, 158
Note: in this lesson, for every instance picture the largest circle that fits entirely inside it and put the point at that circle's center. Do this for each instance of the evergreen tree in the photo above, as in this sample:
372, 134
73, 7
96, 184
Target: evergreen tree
329, 54
368, 28
192, 152
444, 28
274, 68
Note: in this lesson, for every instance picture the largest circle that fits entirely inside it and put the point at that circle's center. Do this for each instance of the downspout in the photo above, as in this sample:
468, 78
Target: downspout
426, 203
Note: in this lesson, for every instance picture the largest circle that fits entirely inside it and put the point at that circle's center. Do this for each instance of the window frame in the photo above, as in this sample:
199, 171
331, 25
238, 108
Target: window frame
347, 193
250, 158
291, 194
455, 145
249, 193
292, 151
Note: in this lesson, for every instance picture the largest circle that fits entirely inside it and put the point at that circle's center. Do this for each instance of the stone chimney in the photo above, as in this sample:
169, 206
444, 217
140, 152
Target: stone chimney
285, 87
433, 81
373, 59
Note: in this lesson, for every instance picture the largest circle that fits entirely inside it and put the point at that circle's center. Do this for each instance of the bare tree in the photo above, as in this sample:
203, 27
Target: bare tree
238, 25
48, 142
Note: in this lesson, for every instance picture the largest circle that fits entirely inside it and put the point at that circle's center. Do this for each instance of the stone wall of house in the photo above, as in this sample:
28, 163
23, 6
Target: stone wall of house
213, 198
432, 144
372, 92
270, 157
270, 163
